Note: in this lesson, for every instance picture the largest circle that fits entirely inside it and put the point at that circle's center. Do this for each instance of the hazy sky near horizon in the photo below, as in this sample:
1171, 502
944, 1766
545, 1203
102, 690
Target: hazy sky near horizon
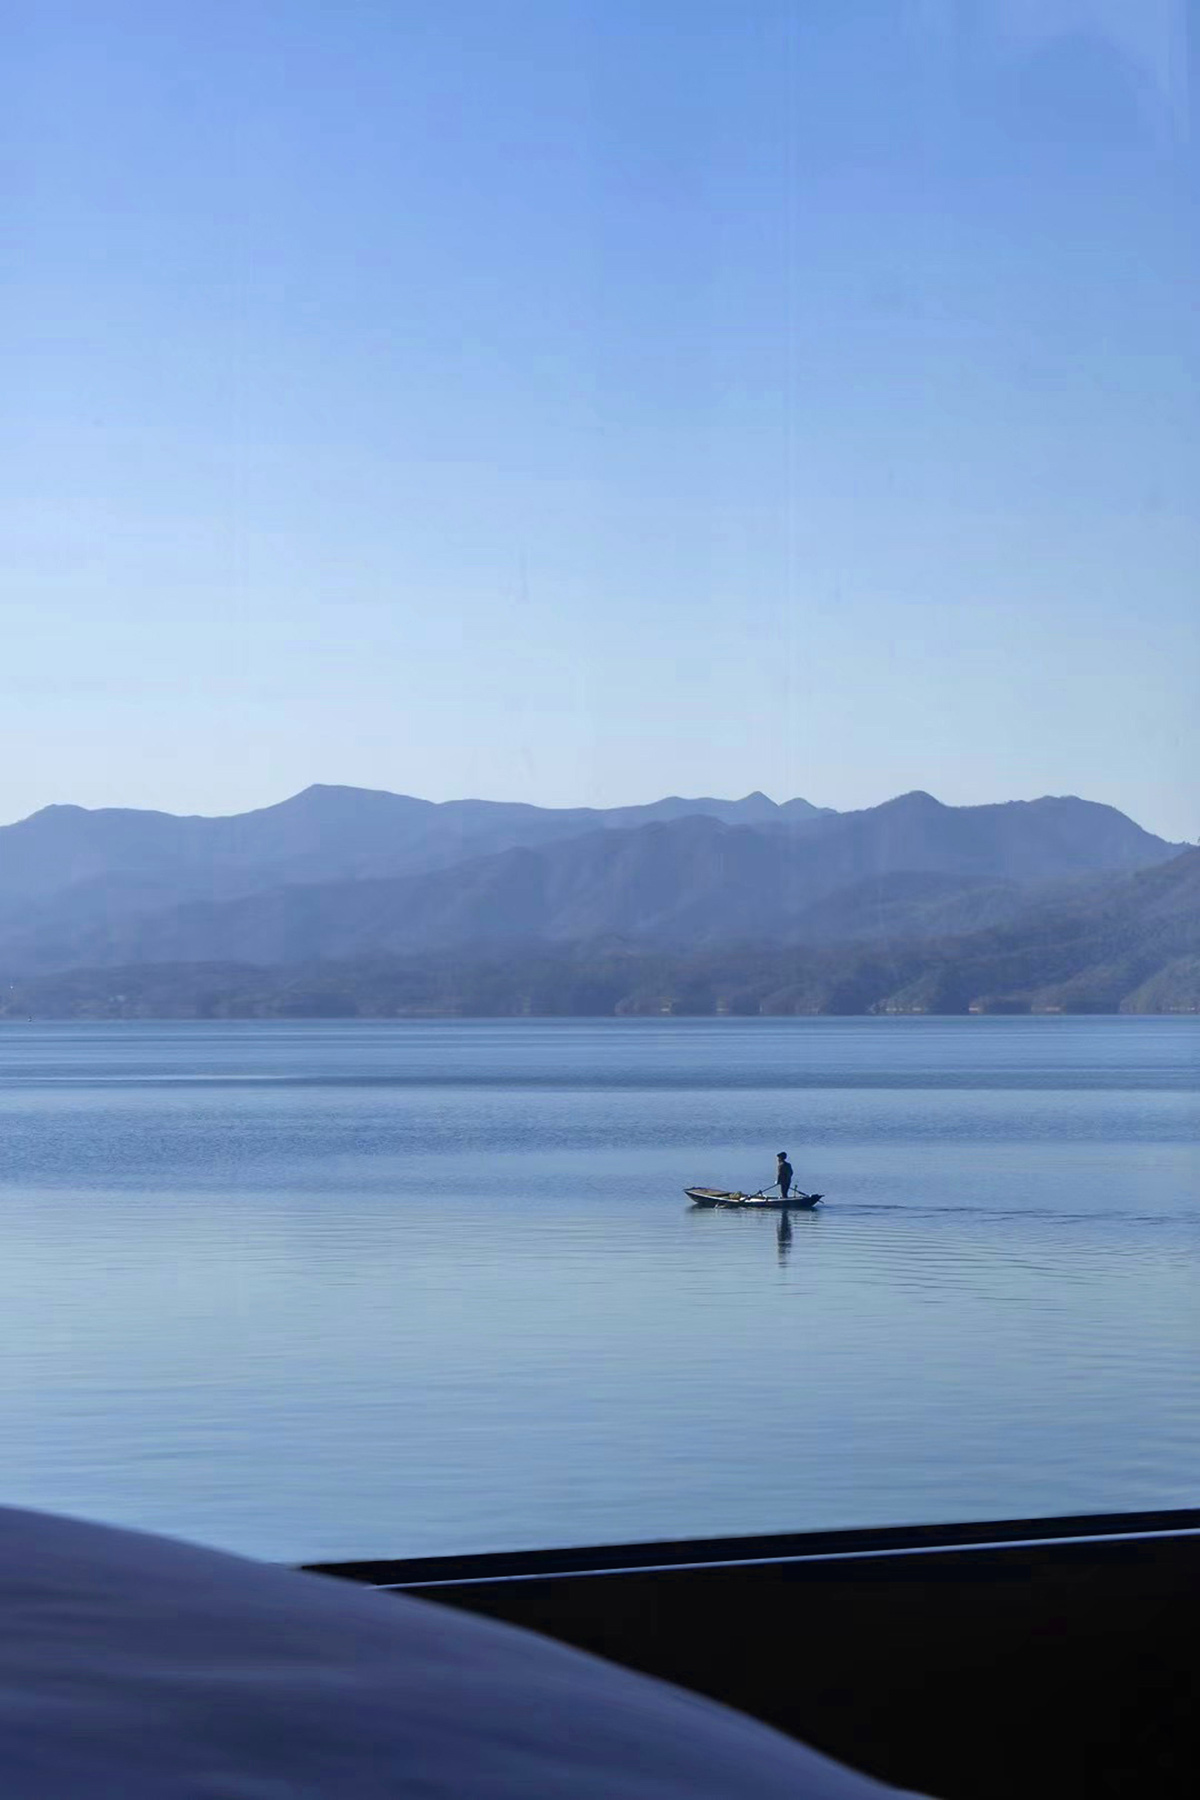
583, 400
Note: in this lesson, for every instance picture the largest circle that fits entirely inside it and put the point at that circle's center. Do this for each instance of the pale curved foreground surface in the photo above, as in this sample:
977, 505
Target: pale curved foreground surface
136, 1666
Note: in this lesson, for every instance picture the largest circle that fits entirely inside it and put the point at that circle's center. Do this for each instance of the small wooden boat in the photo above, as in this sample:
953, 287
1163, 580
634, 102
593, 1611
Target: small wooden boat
756, 1202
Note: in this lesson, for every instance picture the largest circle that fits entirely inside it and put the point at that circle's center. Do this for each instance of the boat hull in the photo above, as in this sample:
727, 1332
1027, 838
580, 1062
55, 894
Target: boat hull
734, 1202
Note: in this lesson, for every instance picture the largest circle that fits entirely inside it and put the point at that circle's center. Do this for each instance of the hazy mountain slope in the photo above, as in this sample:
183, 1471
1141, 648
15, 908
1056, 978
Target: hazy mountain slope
678, 885
911, 903
618, 883
1127, 945
1132, 944
1049, 839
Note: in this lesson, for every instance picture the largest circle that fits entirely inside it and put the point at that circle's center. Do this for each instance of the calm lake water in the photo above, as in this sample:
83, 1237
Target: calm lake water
316, 1290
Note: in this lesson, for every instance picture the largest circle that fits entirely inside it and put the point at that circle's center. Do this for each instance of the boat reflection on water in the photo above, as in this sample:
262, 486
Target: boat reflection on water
784, 1230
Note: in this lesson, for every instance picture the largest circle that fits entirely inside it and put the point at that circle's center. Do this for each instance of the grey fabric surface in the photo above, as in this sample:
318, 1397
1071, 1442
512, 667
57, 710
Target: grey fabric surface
133, 1666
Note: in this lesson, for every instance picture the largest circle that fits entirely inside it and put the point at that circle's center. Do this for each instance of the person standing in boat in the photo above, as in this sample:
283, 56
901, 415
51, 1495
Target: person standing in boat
783, 1174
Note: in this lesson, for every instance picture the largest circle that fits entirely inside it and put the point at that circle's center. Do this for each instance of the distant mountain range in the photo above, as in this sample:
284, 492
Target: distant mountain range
323, 834
349, 876
1129, 944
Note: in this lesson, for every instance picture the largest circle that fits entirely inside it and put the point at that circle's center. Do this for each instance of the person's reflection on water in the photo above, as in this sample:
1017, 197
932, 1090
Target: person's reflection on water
783, 1237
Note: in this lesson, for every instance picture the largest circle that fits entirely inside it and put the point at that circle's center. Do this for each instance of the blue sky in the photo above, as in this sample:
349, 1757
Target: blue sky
582, 400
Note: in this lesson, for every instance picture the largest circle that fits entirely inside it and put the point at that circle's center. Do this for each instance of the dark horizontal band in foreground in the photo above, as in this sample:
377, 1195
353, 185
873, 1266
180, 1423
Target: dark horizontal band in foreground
680, 1553
1045, 1657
